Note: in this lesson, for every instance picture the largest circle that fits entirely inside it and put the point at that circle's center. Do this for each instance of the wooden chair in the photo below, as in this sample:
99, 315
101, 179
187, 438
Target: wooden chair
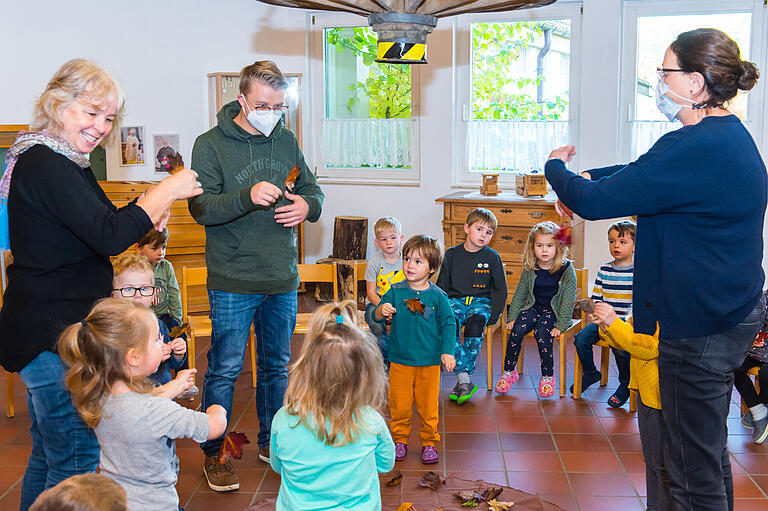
576, 326
751, 372
315, 273
201, 325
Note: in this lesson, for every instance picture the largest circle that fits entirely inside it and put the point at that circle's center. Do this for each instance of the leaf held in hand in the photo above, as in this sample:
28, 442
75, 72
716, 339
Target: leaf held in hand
293, 175
586, 305
497, 505
232, 446
563, 235
397, 479
178, 330
415, 305
431, 480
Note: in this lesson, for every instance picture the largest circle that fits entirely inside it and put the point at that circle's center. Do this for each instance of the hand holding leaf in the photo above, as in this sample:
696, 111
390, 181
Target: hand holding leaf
232, 446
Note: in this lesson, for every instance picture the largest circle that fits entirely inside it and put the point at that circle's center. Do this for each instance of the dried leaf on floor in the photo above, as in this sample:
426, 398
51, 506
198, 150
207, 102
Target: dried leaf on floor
431, 480
496, 505
396, 479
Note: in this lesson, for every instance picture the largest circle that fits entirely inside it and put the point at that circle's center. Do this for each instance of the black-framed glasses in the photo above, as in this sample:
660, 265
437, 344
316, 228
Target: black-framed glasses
662, 71
130, 292
275, 108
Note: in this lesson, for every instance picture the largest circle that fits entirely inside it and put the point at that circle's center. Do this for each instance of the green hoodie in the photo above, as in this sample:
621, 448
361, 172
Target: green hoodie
246, 251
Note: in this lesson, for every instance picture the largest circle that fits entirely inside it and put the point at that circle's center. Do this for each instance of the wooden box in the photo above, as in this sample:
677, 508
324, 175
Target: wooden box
530, 184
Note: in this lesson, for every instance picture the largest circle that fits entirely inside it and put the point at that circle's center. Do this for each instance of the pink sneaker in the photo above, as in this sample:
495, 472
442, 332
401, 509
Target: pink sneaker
429, 455
401, 450
505, 382
546, 388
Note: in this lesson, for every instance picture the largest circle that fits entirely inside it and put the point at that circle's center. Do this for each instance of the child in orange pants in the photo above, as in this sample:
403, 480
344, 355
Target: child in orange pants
422, 337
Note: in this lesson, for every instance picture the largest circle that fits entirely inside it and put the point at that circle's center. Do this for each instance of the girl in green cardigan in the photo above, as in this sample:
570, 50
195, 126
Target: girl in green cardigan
543, 302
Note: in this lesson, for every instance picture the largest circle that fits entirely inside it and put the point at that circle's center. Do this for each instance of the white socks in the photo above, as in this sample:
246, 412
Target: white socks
759, 411
462, 377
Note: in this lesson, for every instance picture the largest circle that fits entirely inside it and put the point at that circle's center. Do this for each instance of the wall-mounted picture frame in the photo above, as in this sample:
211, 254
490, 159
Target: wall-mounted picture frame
132, 145
166, 145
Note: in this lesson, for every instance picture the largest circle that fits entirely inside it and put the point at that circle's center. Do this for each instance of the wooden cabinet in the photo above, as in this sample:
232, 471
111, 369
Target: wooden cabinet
515, 214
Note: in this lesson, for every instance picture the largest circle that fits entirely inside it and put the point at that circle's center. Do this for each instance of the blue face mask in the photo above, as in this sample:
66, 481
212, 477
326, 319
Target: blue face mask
664, 103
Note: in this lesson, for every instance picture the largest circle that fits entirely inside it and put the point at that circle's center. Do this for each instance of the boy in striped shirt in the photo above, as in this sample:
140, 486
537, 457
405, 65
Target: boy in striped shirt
613, 286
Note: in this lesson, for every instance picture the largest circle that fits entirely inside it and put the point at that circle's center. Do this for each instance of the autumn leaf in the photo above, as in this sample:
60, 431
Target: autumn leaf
232, 446
291, 179
497, 505
178, 330
431, 480
415, 305
493, 493
175, 162
563, 235
405, 506
586, 305
397, 479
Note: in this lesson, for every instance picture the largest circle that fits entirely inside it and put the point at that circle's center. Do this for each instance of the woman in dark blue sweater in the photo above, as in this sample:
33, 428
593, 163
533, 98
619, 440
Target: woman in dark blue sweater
700, 197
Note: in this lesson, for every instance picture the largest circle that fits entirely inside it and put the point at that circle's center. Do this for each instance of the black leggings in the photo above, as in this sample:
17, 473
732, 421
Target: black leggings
541, 323
743, 382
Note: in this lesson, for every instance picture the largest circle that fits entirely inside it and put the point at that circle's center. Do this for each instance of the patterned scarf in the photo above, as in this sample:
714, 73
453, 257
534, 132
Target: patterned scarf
27, 139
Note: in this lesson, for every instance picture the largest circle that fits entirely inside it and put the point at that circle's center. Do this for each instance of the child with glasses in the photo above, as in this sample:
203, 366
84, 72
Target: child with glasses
167, 304
134, 279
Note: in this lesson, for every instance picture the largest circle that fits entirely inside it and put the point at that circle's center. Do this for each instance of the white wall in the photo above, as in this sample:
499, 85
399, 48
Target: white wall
161, 51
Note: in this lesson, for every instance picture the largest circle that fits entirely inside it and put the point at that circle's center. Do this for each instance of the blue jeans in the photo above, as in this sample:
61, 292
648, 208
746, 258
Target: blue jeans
379, 330
62, 444
273, 318
696, 379
584, 340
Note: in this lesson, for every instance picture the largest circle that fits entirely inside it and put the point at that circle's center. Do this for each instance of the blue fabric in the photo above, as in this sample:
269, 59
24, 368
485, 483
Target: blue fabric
698, 192
466, 353
62, 444
314, 475
584, 340
546, 287
273, 318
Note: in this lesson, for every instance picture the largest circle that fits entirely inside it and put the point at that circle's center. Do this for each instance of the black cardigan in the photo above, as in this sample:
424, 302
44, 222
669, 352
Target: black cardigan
63, 229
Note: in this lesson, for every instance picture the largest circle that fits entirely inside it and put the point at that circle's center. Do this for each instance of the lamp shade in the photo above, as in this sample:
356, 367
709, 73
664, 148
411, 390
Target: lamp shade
402, 26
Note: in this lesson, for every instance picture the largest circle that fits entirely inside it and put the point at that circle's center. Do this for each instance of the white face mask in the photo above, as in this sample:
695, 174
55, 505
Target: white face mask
665, 104
264, 121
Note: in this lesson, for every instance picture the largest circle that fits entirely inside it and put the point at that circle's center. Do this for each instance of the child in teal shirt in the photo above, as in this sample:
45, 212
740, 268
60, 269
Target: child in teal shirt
328, 446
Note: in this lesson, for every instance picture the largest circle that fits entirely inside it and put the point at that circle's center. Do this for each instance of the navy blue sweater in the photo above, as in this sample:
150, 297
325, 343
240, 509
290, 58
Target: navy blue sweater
700, 195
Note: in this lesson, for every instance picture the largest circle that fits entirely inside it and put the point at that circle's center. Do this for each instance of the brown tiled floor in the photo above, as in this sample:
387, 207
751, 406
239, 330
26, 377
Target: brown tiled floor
581, 455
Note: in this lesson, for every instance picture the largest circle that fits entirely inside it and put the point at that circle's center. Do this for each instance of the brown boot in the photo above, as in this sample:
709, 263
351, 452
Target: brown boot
220, 477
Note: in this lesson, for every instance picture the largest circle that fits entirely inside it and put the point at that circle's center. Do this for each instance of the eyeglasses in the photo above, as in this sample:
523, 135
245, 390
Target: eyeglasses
276, 108
662, 71
130, 292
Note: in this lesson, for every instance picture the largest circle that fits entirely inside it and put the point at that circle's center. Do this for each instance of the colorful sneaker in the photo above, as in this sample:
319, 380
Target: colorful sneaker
546, 388
429, 454
401, 450
747, 421
761, 431
466, 391
505, 382
454, 395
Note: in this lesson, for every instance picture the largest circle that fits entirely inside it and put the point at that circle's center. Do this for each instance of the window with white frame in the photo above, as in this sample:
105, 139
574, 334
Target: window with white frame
514, 81
365, 129
649, 28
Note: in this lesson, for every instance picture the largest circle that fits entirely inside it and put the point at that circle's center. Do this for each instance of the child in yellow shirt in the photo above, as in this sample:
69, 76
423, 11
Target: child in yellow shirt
644, 377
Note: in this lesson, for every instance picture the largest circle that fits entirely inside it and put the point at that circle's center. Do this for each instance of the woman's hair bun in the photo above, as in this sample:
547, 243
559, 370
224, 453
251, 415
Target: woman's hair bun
748, 75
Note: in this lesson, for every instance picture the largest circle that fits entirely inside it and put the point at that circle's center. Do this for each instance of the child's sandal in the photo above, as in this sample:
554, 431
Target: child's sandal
505, 382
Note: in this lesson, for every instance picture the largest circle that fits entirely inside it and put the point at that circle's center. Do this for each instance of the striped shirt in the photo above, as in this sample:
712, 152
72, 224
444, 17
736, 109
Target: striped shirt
613, 286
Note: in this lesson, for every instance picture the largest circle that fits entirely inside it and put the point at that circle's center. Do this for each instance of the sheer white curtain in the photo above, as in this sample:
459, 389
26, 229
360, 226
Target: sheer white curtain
513, 145
646, 133
354, 143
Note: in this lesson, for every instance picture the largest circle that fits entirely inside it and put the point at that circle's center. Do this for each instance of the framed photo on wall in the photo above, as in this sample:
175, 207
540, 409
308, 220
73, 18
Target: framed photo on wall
165, 146
132, 145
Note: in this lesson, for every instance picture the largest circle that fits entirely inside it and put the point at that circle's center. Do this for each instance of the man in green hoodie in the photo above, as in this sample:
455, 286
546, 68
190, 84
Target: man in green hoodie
248, 207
